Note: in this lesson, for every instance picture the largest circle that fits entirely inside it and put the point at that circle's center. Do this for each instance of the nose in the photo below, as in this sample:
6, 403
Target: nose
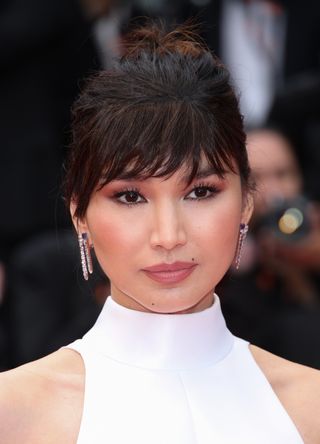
168, 230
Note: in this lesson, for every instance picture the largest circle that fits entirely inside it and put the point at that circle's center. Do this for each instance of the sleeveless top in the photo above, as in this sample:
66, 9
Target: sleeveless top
175, 379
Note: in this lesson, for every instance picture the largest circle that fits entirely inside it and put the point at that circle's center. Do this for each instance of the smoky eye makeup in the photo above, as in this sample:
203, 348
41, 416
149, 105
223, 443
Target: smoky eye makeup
128, 196
132, 196
203, 191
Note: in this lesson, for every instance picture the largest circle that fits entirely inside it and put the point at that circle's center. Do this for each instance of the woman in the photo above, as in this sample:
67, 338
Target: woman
159, 186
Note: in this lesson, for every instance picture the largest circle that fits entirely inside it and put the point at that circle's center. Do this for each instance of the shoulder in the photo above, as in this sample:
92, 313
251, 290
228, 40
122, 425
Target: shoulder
36, 399
298, 389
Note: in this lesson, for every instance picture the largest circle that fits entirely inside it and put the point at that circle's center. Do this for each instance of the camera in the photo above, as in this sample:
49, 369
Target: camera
287, 219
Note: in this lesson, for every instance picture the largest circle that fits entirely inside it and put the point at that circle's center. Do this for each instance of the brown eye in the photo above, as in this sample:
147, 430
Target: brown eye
129, 197
202, 192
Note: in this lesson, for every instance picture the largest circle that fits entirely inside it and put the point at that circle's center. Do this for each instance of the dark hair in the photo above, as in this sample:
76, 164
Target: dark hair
166, 103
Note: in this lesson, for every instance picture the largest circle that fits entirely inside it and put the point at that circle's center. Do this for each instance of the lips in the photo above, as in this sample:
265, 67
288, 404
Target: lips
170, 273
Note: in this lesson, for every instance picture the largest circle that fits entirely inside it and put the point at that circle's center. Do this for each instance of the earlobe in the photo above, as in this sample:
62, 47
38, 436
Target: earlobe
72, 208
247, 208
80, 225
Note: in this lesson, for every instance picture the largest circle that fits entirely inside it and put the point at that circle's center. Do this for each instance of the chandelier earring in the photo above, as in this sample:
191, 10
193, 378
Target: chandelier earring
85, 255
242, 236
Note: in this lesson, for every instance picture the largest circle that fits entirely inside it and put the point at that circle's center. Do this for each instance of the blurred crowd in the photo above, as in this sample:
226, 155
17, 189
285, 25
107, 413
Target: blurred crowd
47, 49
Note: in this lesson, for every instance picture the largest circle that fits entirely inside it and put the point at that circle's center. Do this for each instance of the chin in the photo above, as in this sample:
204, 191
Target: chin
172, 305
166, 305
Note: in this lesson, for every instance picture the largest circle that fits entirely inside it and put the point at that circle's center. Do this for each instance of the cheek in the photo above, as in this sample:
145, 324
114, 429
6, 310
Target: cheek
216, 232
114, 236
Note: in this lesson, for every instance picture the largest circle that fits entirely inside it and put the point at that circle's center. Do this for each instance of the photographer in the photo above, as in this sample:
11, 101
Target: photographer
279, 276
290, 252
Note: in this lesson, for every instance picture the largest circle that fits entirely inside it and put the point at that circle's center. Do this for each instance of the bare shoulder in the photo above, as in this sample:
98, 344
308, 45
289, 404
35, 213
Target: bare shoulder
36, 399
297, 387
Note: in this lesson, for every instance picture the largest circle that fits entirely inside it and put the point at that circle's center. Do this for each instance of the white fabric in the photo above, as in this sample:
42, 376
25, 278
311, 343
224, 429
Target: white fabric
175, 379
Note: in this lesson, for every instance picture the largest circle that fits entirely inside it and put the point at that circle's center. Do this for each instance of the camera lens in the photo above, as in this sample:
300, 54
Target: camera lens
287, 219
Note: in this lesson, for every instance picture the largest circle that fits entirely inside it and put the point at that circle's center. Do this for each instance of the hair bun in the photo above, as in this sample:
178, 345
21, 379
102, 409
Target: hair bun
160, 38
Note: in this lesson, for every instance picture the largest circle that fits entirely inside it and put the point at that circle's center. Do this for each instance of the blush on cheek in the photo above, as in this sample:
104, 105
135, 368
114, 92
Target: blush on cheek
223, 239
114, 238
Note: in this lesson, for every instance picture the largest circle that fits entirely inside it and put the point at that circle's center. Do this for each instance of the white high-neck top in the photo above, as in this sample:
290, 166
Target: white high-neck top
175, 379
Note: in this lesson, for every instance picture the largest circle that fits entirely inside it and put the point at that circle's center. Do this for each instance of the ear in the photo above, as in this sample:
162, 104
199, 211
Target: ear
80, 225
247, 208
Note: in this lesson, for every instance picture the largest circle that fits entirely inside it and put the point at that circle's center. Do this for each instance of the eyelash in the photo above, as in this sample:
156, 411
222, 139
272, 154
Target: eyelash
208, 187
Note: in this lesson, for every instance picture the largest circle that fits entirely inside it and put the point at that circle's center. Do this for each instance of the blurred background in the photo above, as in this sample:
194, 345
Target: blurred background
47, 49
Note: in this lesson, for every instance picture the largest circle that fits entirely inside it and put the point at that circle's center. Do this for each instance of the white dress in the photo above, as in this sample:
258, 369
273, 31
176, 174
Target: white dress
175, 379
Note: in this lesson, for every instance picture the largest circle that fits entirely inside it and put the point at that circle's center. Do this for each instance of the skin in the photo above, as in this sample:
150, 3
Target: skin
167, 224
170, 225
274, 168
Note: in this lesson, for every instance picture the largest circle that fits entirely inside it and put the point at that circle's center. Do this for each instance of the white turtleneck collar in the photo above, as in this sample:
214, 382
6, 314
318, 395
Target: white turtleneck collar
161, 341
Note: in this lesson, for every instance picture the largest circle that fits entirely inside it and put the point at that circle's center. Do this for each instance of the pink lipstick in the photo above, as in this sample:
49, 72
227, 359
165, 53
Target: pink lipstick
170, 273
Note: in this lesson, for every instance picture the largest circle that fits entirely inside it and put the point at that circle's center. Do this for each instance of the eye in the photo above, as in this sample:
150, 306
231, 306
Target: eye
202, 192
129, 197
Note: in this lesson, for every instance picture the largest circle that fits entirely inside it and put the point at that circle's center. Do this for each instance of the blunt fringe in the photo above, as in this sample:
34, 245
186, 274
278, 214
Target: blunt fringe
166, 103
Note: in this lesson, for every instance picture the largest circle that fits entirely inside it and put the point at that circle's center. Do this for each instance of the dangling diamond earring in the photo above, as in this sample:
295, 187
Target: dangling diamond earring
242, 235
86, 261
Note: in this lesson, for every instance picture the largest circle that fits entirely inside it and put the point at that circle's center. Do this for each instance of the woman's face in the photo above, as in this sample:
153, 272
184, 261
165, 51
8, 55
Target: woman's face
187, 234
